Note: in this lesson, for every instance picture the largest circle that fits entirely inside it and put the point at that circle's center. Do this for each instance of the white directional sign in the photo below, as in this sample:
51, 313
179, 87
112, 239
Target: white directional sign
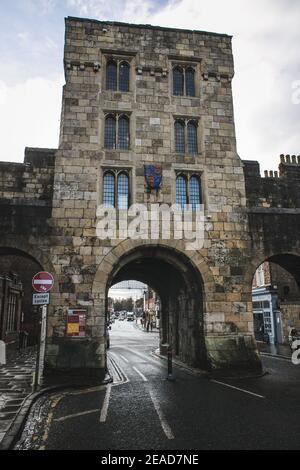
41, 299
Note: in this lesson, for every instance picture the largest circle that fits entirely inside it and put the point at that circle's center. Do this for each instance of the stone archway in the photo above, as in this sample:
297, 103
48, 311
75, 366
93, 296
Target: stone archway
20, 263
275, 311
179, 283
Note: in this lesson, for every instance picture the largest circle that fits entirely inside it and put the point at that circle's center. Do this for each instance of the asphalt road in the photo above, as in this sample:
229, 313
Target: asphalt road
143, 410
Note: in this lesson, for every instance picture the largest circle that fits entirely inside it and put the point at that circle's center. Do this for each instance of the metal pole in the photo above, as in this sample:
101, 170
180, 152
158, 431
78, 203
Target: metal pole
170, 363
169, 352
36, 376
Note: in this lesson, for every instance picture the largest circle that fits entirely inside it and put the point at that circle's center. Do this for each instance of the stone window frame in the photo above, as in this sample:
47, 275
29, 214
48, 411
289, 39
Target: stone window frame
186, 120
116, 171
117, 115
187, 175
118, 57
185, 64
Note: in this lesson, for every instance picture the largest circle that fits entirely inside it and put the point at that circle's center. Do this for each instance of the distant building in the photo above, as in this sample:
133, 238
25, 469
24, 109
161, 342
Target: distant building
276, 303
11, 293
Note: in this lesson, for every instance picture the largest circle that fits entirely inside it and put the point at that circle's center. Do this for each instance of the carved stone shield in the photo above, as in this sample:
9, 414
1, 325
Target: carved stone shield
153, 175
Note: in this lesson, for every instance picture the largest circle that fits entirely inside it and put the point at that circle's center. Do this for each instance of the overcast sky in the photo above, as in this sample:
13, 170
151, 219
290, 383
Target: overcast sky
266, 39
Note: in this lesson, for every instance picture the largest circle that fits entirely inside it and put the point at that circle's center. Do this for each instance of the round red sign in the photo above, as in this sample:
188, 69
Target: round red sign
42, 281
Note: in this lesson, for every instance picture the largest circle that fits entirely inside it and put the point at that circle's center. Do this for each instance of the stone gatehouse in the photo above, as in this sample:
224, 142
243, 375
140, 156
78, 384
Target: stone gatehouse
138, 95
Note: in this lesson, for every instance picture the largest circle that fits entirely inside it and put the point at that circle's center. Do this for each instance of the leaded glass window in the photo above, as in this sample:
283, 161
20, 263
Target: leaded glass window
124, 76
111, 75
190, 82
195, 198
110, 132
123, 191
178, 81
123, 133
181, 191
109, 189
179, 137
192, 137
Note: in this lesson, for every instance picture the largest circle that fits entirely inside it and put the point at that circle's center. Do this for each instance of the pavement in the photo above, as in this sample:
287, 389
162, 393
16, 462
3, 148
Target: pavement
15, 386
141, 409
274, 350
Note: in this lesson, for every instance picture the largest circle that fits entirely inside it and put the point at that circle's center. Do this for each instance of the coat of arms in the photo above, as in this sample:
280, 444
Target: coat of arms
153, 175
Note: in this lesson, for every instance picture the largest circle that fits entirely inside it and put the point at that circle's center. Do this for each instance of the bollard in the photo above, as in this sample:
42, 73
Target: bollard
170, 363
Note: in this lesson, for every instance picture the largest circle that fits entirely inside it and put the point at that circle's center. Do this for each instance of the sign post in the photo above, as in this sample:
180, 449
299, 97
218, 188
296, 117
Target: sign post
42, 283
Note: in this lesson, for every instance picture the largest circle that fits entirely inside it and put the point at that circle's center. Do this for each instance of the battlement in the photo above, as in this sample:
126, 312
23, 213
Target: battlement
276, 188
288, 159
32, 179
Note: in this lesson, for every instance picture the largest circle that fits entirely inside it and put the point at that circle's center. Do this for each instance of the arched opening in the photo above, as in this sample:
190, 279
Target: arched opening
178, 284
276, 302
19, 328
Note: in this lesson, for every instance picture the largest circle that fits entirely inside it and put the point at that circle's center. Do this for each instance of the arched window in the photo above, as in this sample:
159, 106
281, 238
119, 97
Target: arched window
123, 191
190, 82
124, 76
109, 189
178, 81
195, 196
179, 137
111, 75
192, 137
181, 191
110, 133
123, 133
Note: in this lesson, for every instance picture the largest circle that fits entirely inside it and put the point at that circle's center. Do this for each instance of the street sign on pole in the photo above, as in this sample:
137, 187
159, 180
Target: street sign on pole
39, 366
42, 281
41, 299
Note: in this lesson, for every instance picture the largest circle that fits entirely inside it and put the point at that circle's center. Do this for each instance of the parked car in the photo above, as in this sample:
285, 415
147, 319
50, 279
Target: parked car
130, 316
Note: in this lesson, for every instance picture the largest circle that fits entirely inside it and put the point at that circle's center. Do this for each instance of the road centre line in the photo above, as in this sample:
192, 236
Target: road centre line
164, 424
103, 414
140, 374
237, 388
75, 415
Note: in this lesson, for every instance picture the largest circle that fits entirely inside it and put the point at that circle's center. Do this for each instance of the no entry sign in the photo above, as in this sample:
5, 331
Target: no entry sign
42, 281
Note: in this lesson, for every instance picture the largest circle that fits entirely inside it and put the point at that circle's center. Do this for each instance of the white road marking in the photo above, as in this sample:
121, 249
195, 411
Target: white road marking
237, 388
165, 426
87, 390
119, 371
278, 358
124, 358
140, 374
144, 356
103, 414
75, 415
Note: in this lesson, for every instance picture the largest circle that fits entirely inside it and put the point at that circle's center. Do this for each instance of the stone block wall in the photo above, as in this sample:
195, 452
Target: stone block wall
279, 189
77, 253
